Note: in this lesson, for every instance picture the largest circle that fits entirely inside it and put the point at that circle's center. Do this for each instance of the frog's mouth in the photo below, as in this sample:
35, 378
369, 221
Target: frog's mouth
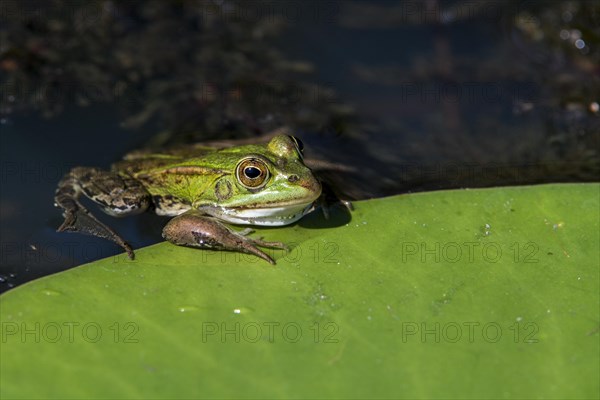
266, 216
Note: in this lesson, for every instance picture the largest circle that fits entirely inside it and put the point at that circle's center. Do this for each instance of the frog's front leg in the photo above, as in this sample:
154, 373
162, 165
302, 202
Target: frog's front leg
118, 196
195, 229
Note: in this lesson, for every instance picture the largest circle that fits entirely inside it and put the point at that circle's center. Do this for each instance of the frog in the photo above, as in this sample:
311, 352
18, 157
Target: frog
204, 189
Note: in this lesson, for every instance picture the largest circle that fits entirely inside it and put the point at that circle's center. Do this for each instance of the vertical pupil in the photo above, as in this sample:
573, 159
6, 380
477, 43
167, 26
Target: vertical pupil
252, 172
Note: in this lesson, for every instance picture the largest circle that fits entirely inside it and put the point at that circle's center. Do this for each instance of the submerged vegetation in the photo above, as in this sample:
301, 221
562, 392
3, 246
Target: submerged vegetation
198, 70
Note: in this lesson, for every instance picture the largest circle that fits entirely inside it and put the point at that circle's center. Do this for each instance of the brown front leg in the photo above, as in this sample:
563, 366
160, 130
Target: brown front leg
195, 229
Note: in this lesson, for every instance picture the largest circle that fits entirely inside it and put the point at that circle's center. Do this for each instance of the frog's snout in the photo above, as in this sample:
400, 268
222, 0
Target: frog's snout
311, 184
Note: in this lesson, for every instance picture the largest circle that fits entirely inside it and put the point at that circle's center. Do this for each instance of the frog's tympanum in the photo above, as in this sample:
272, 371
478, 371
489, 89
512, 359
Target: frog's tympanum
201, 187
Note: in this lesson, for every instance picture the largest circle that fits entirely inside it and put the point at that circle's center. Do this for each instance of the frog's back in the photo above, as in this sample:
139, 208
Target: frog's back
140, 162
176, 178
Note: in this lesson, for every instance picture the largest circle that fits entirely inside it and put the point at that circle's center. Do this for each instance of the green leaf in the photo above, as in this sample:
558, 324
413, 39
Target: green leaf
487, 293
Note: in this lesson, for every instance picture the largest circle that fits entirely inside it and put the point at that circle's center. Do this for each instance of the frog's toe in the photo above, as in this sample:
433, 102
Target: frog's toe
260, 242
270, 245
68, 224
245, 232
259, 253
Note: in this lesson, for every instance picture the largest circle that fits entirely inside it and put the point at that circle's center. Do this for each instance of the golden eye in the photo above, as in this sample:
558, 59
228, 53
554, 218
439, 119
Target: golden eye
252, 172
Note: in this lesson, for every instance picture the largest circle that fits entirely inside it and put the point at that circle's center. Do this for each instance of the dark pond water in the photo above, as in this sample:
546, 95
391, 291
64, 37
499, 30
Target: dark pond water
402, 96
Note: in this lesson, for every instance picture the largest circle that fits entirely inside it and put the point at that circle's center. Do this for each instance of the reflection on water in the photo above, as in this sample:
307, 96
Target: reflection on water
389, 97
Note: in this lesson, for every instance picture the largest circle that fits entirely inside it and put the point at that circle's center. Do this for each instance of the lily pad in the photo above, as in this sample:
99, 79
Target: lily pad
488, 293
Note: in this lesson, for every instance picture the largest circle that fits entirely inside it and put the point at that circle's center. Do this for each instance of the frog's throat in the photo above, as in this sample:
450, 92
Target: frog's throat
271, 216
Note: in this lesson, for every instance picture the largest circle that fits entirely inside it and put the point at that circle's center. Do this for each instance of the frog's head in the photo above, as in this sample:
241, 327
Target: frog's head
269, 184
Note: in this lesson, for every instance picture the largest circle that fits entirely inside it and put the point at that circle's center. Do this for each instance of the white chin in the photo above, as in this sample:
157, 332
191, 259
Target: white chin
274, 216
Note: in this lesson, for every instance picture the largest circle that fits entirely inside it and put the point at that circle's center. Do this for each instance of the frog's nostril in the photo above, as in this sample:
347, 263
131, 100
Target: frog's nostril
293, 178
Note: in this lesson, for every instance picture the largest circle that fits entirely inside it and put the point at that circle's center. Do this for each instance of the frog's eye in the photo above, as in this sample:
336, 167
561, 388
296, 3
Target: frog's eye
252, 172
299, 145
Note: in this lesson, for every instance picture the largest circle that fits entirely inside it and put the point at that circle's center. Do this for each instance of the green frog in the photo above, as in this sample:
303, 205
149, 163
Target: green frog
202, 188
